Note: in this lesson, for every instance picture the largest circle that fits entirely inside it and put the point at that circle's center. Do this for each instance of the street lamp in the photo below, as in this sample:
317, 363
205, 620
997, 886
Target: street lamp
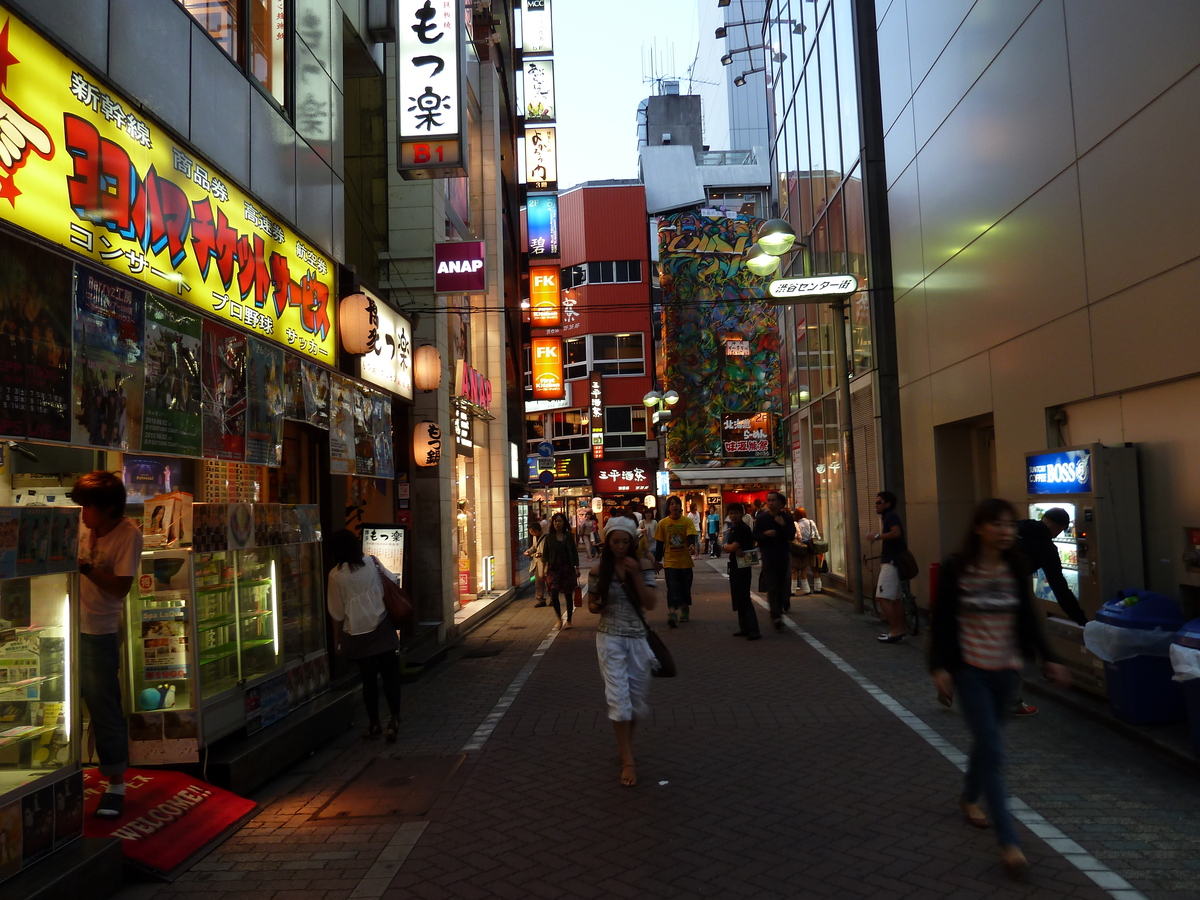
727, 59
661, 404
760, 261
740, 81
776, 236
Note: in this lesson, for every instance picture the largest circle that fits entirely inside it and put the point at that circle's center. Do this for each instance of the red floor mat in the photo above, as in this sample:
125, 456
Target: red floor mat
169, 817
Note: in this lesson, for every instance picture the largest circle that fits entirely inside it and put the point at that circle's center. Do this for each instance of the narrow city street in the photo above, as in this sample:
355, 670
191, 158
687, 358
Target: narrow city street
814, 763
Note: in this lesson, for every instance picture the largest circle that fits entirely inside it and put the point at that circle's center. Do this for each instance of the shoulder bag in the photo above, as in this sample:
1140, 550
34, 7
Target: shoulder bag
395, 600
666, 664
817, 544
906, 565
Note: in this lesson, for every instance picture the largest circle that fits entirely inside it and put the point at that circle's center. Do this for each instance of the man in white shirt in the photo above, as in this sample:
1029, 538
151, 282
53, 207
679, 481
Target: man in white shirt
110, 551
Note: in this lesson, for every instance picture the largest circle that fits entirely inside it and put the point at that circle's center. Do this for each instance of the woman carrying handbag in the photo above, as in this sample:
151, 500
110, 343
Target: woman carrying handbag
561, 558
620, 588
363, 628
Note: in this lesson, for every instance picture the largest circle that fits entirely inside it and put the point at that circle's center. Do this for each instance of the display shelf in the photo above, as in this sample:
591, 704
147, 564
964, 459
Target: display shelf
215, 622
31, 731
214, 589
257, 642
217, 653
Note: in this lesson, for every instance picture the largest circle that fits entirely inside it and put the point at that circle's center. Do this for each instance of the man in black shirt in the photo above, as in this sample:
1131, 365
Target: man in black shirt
1036, 540
887, 590
774, 531
738, 543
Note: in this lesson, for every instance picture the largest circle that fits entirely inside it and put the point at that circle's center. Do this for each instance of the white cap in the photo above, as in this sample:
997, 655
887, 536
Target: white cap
620, 523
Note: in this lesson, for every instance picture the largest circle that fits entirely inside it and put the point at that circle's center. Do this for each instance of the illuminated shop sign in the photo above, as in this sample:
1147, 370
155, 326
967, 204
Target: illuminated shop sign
472, 386
539, 92
537, 35
458, 267
545, 302
735, 345
547, 353
627, 476
1061, 472
570, 466
805, 290
541, 159
389, 365
747, 436
430, 89
541, 221
81, 166
596, 413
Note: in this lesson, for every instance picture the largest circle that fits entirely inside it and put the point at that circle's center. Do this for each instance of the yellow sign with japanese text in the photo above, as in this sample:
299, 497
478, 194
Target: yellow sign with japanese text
81, 167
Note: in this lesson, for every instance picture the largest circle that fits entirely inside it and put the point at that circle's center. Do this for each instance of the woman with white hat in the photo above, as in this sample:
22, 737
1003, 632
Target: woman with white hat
620, 587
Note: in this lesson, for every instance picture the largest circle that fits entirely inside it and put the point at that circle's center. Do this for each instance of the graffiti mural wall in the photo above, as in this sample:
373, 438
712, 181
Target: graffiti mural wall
711, 304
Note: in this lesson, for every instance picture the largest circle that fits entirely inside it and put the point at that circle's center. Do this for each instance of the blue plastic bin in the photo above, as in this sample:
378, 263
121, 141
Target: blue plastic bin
1189, 636
1140, 689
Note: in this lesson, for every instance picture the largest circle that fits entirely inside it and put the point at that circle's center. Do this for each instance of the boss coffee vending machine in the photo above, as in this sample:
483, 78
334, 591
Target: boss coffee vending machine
1100, 551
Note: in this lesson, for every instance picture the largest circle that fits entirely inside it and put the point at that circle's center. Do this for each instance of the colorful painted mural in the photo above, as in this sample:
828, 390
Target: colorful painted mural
708, 294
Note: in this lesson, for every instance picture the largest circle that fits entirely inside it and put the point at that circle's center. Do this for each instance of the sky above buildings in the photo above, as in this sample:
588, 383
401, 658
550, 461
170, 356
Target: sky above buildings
605, 53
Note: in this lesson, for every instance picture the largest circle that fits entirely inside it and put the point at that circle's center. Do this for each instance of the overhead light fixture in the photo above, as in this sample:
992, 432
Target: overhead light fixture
777, 236
798, 28
727, 60
760, 262
720, 32
651, 399
740, 81
721, 4
670, 398
779, 56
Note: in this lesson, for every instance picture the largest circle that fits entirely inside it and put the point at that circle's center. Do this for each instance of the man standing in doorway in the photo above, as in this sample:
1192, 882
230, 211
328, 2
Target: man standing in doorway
110, 552
774, 531
887, 590
676, 536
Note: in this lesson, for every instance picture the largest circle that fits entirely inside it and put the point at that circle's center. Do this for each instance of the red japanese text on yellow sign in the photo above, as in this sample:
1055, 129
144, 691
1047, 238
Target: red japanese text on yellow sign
547, 355
545, 303
82, 167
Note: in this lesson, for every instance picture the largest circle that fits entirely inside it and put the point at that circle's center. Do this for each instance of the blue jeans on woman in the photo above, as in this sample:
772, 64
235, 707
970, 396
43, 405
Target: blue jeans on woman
984, 699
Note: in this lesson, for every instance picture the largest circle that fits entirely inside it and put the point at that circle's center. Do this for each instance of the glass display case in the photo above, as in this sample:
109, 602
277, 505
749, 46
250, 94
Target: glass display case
237, 600
301, 600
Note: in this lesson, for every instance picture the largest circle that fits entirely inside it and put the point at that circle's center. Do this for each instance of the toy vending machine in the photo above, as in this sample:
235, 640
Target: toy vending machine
1101, 548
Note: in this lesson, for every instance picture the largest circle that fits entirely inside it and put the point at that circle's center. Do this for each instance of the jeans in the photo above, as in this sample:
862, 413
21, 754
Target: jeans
714, 546
739, 592
679, 587
387, 667
777, 580
99, 662
984, 698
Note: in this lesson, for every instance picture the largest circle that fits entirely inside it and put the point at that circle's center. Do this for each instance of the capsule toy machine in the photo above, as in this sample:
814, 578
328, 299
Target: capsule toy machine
1101, 548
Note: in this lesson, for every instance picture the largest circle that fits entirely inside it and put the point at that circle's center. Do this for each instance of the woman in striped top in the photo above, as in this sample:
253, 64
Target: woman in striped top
984, 627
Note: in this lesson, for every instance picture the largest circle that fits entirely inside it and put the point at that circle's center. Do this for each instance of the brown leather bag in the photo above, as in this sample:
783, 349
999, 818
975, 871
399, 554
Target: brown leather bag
396, 601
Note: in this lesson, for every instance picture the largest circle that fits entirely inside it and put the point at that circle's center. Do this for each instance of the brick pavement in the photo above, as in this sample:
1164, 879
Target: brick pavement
764, 772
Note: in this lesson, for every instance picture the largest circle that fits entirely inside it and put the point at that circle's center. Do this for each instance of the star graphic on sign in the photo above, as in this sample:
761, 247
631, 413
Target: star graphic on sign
6, 57
9, 190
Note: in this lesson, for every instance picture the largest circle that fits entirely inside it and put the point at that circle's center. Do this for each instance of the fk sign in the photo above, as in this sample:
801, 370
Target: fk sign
544, 300
547, 368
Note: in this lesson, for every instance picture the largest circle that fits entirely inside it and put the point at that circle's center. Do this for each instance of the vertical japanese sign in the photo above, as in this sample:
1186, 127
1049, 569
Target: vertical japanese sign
106, 391
545, 302
389, 365
596, 413
541, 159
264, 429
430, 89
547, 373
748, 435
537, 33
172, 411
92, 175
539, 91
541, 223
223, 373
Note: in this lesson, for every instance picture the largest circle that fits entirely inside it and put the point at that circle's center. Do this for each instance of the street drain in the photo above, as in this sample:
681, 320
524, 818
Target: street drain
391, 787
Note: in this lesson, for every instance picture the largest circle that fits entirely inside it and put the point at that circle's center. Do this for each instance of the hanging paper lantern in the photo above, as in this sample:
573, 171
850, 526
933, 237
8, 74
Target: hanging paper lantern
358, 321
427, 444
427, 368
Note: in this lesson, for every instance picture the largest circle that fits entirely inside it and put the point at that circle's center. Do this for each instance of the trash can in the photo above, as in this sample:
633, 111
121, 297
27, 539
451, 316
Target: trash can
1132, 633
1185, 660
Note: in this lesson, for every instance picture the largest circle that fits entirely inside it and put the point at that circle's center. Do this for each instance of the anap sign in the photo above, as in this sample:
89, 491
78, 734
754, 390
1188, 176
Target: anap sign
458, 267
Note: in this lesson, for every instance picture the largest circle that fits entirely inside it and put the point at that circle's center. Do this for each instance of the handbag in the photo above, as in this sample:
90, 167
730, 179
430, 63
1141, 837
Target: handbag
906, 565
666, 664
820, 546
578, 596
395, 600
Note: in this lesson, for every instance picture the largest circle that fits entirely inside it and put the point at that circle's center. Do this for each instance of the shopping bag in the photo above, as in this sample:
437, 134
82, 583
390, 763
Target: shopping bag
578, 596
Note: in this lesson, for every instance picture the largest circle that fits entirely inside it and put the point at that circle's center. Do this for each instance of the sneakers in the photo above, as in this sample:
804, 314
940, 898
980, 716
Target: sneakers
685, 614
1024, 710
817, 586
111, 805
886, 638
539, 603
673, 619
778, 623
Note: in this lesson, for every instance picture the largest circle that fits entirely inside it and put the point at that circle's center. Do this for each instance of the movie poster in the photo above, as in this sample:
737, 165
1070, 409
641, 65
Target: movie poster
64, 539
223, 371
293, 388
172, 419
264, 430
33, 540
316, 394
381, 426
364, 433
341, 425
109, 364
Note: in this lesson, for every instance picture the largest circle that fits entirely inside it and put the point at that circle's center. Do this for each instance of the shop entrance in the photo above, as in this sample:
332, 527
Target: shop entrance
965, 453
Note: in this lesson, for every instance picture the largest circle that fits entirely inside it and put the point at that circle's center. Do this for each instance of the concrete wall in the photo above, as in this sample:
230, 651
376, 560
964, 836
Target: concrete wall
1044, 212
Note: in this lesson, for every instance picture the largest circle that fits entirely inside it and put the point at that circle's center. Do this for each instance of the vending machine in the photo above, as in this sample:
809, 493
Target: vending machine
1101, 549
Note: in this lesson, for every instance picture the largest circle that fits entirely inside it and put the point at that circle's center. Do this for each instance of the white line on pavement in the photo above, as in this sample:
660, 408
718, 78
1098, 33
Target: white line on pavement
373, 884
1116, 886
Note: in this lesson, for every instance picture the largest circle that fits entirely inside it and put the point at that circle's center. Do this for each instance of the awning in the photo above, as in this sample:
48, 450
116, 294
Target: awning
729, 476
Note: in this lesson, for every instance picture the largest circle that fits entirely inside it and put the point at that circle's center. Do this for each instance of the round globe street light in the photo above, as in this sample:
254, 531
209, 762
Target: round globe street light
651, 399
760, 262
670, 398
776, 236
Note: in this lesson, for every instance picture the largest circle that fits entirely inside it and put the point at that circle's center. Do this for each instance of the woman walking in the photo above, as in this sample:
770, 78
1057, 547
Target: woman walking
361, 627
587, 525
984, 625
620, 589
804, 560
561, 558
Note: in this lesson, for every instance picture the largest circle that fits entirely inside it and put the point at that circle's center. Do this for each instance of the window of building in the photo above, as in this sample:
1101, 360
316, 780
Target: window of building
618, 354
574, 276
569, 430
624, 426
576, 358
621, 271
254, 34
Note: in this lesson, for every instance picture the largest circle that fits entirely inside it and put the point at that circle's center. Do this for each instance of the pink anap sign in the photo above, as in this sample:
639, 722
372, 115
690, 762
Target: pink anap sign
458, 268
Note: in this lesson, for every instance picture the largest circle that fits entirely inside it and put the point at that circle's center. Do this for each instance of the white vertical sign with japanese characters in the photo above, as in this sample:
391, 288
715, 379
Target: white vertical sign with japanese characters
537, 33
430, 93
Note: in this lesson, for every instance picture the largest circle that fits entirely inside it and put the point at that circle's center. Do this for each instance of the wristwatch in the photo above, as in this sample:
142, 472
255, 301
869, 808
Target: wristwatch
84, 568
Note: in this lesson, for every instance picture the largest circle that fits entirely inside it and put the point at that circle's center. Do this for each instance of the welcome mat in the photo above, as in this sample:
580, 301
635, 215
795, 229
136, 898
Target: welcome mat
169, 817
392, 787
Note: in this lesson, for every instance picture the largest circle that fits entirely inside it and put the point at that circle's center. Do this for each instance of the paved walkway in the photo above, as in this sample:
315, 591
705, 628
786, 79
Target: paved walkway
813, 763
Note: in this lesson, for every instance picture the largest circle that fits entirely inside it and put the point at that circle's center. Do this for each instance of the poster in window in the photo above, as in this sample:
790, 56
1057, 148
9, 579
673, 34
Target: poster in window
316, 394
264, 430
341, 425
173, 340
224, 395
381, 425
109, 362
33, 540
364, 436
293, 388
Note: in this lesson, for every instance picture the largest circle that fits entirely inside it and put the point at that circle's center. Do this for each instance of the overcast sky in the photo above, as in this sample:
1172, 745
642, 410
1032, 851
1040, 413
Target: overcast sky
601, 48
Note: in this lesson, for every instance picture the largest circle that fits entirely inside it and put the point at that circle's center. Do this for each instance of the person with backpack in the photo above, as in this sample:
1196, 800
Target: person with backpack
739, 541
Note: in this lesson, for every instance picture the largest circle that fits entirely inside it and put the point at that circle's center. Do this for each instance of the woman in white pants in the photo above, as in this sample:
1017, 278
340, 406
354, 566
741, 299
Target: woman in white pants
618, 586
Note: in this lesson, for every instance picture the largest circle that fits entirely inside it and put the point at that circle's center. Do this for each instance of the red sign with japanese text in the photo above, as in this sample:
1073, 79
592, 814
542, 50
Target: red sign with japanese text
626, 476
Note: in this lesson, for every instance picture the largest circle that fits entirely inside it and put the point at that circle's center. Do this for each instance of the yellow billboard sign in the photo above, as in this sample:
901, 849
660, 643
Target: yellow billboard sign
83, 168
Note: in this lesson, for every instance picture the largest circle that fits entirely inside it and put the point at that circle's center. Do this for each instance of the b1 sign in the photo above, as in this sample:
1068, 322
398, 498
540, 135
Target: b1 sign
804, 290
458, 268
1059, 472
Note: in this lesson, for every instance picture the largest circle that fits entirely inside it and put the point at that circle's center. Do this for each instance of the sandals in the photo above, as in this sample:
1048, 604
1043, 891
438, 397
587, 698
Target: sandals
393, 729
974, 814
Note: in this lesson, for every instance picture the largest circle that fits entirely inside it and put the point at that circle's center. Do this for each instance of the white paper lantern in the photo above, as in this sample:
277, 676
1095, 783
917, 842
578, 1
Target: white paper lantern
358, 321
427, 444
427, 368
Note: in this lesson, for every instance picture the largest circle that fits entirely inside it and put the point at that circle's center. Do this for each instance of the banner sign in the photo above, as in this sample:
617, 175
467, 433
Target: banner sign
596, 413
459, 267
541, 222
537, 35
1060, 472
547, 353
93, 176
541, 159
539, 92
430, 89
628, 476
748, 436
389, 365
570, 466
545, 302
